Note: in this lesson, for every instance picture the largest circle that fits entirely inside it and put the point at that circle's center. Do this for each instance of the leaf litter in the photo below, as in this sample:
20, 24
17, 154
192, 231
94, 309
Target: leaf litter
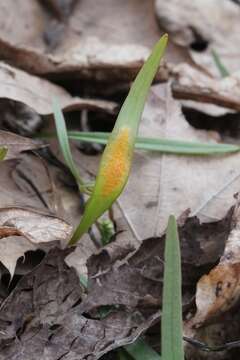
49, 313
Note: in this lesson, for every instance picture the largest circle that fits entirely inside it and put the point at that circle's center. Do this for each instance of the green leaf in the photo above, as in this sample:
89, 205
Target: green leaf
167, 146
171, 323
117, 157
63, 141
3, 153
222, 69
140, 350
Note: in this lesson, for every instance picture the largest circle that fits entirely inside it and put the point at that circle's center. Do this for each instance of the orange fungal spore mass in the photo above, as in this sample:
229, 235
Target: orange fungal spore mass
117, 163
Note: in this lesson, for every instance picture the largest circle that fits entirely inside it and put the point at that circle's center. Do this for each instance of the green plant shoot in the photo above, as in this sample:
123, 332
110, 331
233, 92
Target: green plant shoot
117, 157
171, 324
3, 153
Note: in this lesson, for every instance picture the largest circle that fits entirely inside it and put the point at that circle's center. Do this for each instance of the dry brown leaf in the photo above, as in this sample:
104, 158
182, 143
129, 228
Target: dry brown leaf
37, 227
44, 310
11, 249
16, 144
170, 184
38, 93
25, 182
192, 84
202, 26
99, 41
22, 230
219, 290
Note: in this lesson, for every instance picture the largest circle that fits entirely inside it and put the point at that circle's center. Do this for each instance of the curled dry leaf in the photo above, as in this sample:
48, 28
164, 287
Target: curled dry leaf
38, 93
72, 49
15, 144
191, 84
22, 230
219, 290
37, 227
191, 23
12, 248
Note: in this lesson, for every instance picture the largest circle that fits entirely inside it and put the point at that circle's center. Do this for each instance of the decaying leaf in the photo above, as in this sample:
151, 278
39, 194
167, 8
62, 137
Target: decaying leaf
22, 230
202, 27
43, 312
121, 275
92, 44
191, 84
15, 144
207, 185
219, 290
35, 226
38, 93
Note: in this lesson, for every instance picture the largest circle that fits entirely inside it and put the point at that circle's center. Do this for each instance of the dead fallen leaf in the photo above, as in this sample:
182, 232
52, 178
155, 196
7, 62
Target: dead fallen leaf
35, 226
16, 144
202, 27
219, 290
191, 84
171, 184
38, 93
12, 248
43, 312
93, 44
22, 230
25, 182
121, 275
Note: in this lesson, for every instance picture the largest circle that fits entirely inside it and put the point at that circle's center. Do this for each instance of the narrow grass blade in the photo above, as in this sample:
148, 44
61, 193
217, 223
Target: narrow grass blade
63, 141
221, 68
168, 146
140, 350
116, 160
171, 324
3, 153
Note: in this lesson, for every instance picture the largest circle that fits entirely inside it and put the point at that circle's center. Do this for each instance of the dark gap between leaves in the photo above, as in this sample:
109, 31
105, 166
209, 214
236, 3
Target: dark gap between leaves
227, 125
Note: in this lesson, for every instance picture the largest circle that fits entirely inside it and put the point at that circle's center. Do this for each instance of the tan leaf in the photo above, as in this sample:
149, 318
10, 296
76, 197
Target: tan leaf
38, 93
195, 85
37, 227
160, 185
219, 290
101, 48
11, 249
202, 26
16, 144
22, 230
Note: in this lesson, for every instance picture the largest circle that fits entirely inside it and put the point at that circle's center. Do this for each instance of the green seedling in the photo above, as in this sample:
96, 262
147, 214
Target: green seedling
3, 153
117, 157
167, 146
171, 323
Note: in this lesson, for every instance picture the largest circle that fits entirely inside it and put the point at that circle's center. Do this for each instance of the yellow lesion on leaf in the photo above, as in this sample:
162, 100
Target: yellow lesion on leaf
116, 164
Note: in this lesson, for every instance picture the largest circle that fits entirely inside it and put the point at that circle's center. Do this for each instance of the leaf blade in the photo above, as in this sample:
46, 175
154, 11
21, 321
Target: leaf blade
169, 146
171, 323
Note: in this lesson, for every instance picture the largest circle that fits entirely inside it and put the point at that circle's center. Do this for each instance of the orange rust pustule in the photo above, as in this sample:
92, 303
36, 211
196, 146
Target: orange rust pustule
117, 163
